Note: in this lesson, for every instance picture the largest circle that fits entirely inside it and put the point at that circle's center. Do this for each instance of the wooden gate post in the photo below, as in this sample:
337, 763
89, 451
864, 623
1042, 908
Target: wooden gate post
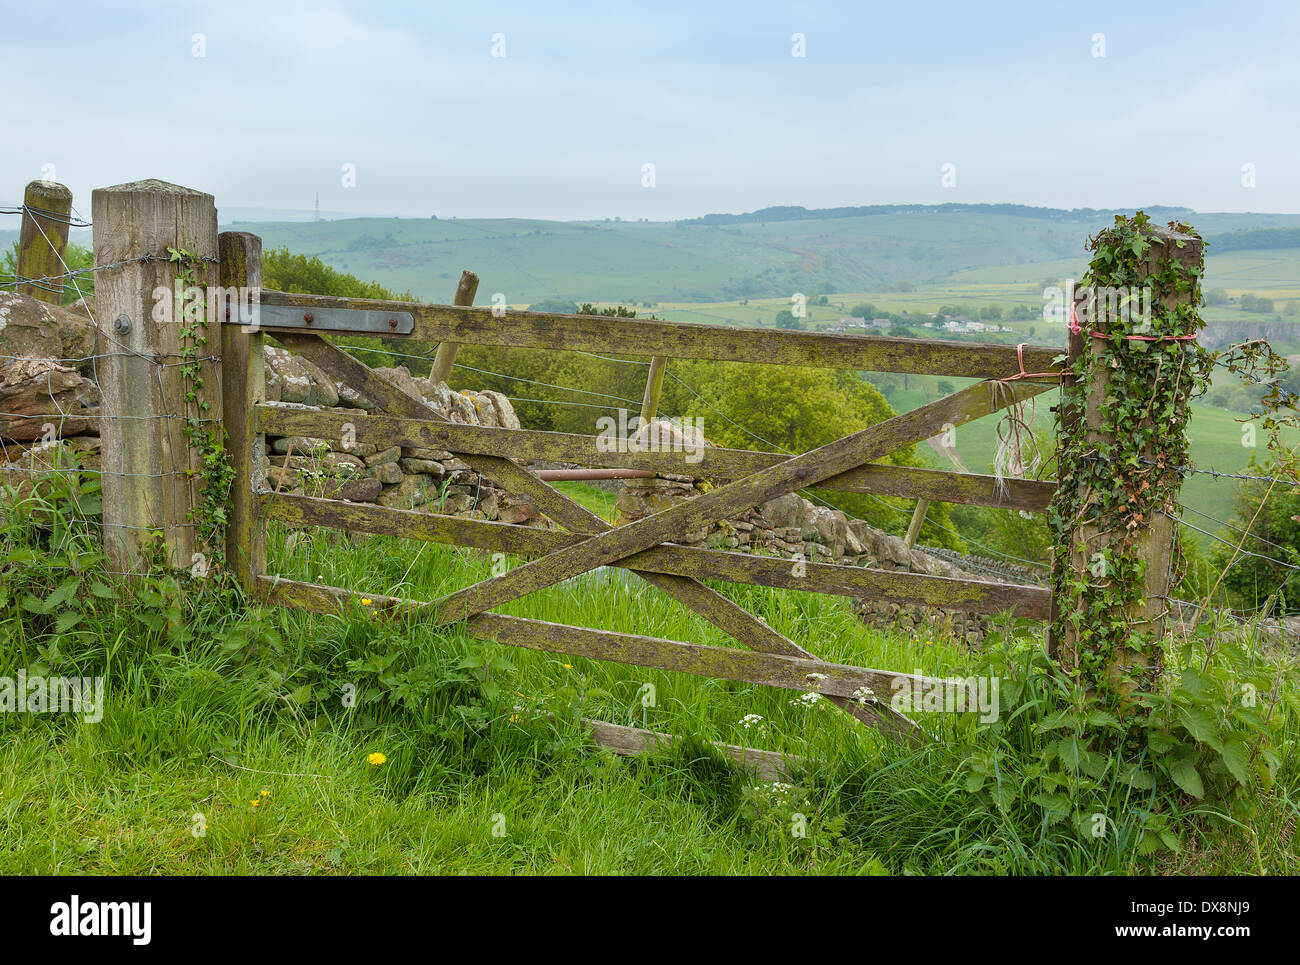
445, 357
1118, 478
243, 386
154, 384
654, 383
43, 239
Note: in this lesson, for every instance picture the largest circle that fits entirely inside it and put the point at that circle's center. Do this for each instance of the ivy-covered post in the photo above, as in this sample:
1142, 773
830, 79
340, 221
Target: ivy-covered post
1123, 429
160, 396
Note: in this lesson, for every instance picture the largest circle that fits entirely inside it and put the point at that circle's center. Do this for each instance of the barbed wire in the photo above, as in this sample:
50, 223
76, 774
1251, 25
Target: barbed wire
580, 405
94, 416
75, 273
45, 215
1244, 552
1190, 470
549, 385
1238, 529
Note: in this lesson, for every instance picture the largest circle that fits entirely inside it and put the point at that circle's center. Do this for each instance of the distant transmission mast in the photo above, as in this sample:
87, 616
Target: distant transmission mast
317, 205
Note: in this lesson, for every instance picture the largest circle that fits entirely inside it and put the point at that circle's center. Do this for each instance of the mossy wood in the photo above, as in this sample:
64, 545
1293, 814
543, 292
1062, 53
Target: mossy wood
154, 384
766, 669
794, 473
717, 609
714, 463
635, 336
853, 581
243, 388
43, 239
620, 739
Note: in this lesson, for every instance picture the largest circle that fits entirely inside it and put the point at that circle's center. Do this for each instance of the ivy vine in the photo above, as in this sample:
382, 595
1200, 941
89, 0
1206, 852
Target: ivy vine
203, 433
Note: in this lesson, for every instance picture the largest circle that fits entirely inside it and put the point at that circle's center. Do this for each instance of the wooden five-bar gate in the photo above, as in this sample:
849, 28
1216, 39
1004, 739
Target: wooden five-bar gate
587, 541
154, 486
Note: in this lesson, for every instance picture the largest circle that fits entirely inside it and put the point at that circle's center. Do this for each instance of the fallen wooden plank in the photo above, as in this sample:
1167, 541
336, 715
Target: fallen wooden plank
636, 336
889, 586
628, 741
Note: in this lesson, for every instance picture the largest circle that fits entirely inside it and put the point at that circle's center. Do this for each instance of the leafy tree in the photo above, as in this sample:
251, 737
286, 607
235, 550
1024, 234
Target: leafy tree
554, 305
793, 409
287, 272
1252, 579
1250, 302
785, 319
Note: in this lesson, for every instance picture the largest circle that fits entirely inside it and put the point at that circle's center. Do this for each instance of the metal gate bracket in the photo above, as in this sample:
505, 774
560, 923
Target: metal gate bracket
362, 321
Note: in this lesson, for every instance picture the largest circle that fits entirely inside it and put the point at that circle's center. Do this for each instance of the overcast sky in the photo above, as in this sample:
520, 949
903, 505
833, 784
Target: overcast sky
284, 95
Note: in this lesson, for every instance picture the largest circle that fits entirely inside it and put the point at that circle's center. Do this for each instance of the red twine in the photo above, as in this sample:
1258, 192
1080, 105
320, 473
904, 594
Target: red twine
1022, 374
1076, 328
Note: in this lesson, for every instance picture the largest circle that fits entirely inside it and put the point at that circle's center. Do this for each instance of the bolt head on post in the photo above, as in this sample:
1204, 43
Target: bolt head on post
122, 324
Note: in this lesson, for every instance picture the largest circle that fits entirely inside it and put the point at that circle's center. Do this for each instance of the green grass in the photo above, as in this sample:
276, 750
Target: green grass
599, 501
206, 713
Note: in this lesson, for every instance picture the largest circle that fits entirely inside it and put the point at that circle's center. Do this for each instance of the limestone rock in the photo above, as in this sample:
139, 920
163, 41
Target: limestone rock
388, 473
360, 490
391, 454
506, 417
408, 494
32, 329
43, 399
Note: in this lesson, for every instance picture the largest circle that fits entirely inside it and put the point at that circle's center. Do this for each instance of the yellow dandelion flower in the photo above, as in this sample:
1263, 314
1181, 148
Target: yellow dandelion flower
265, 793
366, 601
256, 802
568, 666
376, 759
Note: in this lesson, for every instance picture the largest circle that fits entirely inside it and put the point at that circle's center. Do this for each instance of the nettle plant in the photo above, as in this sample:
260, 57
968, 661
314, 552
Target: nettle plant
1206, 728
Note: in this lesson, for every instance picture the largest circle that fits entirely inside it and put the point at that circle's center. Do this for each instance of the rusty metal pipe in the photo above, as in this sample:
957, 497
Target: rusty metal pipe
579, 474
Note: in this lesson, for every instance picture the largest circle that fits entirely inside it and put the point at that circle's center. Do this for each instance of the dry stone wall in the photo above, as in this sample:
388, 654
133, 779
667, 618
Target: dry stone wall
792, 527
400, 477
